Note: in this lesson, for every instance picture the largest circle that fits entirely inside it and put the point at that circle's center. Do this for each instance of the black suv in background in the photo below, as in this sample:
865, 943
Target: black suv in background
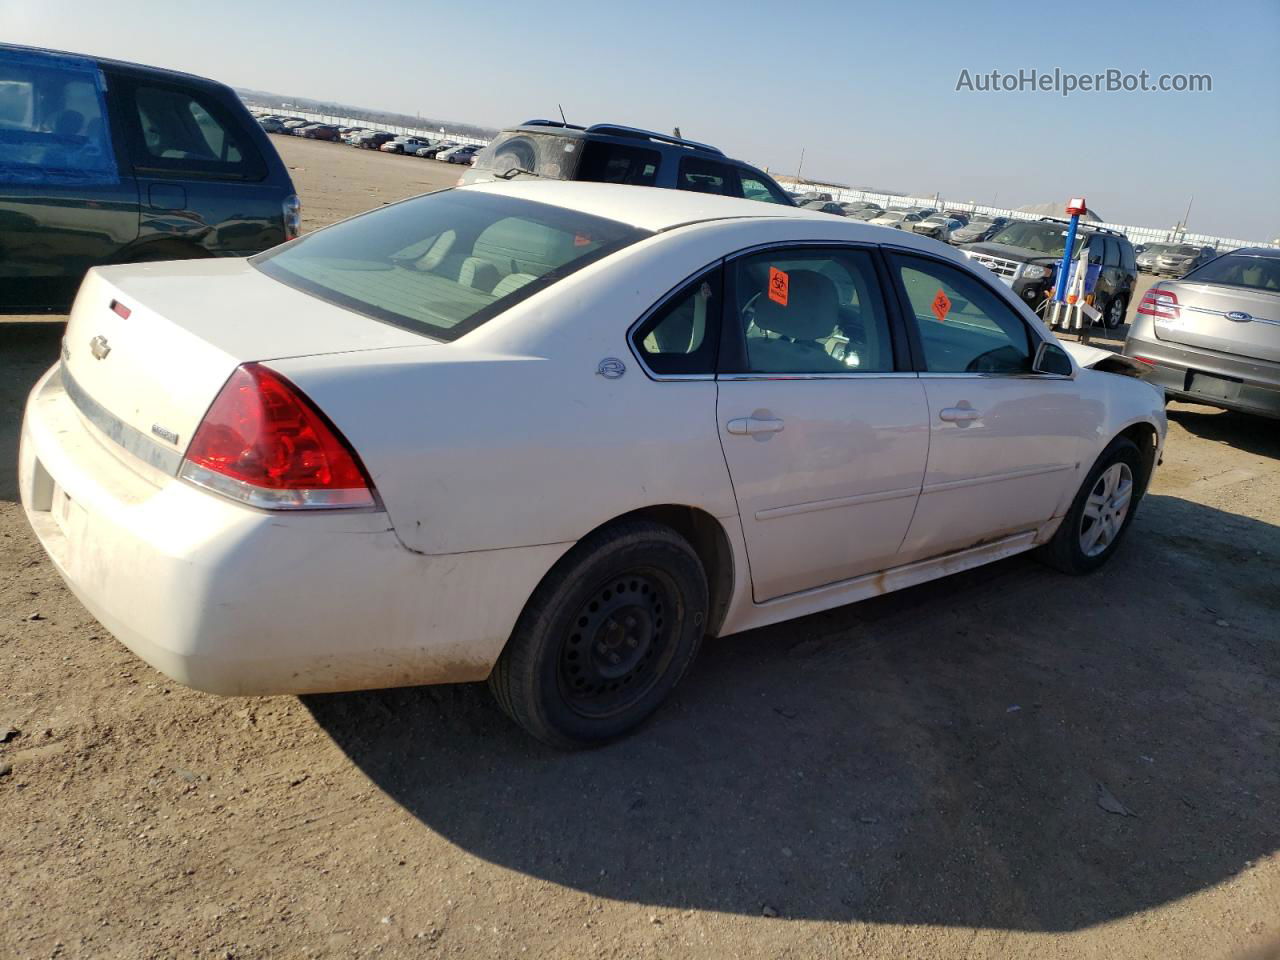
1025, 255
608, 153
108, 162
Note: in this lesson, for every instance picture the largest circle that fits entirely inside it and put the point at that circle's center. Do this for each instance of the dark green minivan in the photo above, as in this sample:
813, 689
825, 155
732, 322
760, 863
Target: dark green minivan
107, 162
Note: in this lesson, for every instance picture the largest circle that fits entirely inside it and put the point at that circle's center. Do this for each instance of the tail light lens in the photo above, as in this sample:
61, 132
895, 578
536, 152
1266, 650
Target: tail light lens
263, 443
292, 216
1161, 304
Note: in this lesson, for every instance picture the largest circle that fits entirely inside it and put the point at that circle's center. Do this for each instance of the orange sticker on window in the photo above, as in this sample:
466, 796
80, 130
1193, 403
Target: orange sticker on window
779, 284
581, 240
941, 306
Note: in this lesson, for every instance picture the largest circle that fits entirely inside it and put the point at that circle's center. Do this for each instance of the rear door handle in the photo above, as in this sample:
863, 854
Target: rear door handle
958, 414
750, 426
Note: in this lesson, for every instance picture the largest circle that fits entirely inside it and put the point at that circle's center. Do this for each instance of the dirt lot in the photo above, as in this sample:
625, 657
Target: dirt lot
915, 776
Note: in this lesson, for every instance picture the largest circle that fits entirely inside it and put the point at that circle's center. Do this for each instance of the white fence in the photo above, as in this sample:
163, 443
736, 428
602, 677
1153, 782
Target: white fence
1136, 234
426, 133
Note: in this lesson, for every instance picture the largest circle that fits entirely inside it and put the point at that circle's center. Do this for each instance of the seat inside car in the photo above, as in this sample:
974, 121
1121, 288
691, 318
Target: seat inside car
793, 330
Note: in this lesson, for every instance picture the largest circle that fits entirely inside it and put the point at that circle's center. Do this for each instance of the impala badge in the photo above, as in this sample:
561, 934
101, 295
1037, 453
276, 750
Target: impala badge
611, 368
164, 434
99, 347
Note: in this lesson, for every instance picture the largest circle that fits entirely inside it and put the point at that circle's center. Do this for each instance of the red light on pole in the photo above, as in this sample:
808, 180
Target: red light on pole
1076, 206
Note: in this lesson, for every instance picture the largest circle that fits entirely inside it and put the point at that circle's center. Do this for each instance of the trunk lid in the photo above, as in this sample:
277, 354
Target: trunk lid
1231, 320
148, 346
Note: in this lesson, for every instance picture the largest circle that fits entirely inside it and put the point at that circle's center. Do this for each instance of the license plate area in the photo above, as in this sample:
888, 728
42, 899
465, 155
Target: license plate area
1208, 385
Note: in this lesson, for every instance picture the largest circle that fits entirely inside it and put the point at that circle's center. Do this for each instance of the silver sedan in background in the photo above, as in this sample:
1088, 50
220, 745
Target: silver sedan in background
1214, 336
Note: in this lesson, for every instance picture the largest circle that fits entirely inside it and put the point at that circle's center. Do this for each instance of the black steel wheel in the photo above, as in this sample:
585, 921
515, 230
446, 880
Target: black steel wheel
605, 637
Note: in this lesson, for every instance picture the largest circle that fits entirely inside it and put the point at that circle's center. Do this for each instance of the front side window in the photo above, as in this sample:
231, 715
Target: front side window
757, 188
53, 121
964, 327
683, 336
811, 311
707, 176
183, 132
444, 263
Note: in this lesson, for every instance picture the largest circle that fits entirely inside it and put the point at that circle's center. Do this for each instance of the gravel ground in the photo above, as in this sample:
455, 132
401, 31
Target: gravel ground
1007, 763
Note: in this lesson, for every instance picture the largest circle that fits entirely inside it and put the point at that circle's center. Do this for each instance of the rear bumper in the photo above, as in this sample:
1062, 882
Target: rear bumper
1203, 376
232, 600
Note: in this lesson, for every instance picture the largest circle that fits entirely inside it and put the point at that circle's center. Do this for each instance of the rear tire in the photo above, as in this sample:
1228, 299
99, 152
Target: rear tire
605, 637
1114, 316
1101, 512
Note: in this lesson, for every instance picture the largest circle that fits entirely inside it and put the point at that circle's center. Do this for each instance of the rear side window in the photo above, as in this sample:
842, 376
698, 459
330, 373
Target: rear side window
614, 163
683, 335
1127, 260
183, 132
1111, 254
707, 176
53, 121
444, 263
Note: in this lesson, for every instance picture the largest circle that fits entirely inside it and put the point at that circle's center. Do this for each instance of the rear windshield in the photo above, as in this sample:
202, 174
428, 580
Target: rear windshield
444, 263
1253, 273
545, 154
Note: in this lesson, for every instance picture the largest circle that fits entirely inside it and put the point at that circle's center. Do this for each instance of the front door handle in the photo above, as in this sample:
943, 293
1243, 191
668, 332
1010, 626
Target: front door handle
958, 414
750, 426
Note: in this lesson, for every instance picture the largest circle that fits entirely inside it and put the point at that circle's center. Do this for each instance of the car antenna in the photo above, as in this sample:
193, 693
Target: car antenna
562, 119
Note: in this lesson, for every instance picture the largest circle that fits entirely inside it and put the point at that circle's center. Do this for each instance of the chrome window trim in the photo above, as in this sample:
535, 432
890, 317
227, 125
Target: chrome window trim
130, 438
869, 375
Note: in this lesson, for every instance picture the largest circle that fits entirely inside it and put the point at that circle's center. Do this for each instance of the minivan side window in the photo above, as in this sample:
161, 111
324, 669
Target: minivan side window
614, 163
53, 121
708, 176
180, 132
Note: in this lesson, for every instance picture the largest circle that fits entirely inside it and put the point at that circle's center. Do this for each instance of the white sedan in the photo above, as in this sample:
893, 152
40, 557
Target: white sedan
552, 434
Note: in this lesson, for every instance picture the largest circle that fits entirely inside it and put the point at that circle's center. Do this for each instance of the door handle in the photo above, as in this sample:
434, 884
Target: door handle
959, 414
750, 426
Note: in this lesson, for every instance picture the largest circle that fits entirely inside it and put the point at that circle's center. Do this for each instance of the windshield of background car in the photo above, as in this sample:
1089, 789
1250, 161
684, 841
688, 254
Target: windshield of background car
1186, 251
1155, 249
546, 154
444, 263
1253, 273
1045, 239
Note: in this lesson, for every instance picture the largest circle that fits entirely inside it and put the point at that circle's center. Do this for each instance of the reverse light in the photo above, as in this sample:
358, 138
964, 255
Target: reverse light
263, 443
1161, 304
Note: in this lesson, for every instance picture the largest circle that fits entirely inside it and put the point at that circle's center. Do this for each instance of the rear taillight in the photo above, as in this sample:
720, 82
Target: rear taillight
1161, 304
292, 216
263, 443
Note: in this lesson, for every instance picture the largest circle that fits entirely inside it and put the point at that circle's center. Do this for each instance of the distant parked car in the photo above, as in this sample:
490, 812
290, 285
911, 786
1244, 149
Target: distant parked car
939, 226
865, 214
851, 207
320, 131
107, 162
406, 145
824, 206
463, 154
437, 147
292, 126
817, 195
1180, 260
1214, 336
373, 140
897, 219
981, 227
272, 124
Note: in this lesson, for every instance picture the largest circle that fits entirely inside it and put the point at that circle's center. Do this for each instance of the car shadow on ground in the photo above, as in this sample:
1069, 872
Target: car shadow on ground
1008, 748
26, 351
1253, 434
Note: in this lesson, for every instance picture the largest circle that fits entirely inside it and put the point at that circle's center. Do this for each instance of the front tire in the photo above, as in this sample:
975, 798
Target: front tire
1101, 512
605, 637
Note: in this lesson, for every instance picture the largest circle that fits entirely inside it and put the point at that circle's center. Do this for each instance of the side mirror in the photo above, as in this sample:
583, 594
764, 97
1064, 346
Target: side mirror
1052, 359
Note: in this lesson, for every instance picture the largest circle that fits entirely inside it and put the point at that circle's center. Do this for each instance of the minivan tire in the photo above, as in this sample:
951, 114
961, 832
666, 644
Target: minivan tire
606, 636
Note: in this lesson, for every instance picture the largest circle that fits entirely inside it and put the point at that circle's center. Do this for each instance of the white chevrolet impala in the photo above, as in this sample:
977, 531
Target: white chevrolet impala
552, 434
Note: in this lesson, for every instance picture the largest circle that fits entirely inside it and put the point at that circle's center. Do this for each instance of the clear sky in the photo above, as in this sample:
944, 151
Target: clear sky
867, 89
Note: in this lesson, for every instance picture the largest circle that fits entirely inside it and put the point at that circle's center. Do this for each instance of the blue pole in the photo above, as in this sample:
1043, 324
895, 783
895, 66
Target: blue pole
1060, 293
